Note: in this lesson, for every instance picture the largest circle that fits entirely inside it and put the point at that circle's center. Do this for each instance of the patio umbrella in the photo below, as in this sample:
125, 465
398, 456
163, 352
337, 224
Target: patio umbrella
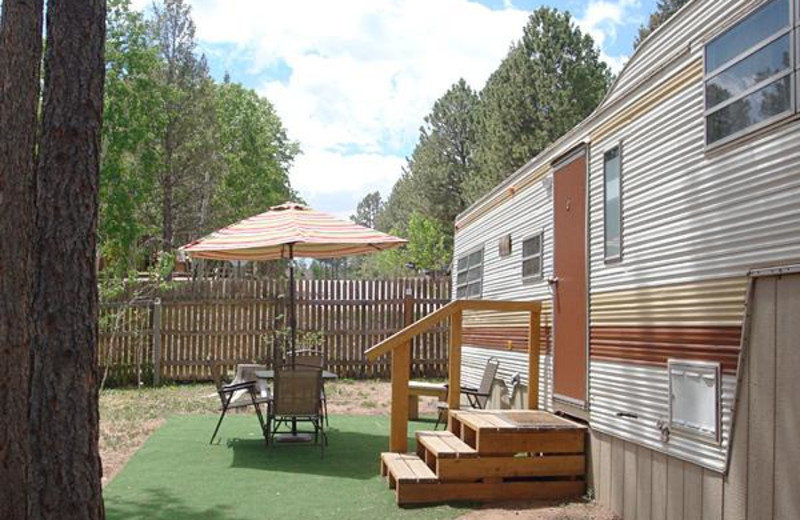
290, 231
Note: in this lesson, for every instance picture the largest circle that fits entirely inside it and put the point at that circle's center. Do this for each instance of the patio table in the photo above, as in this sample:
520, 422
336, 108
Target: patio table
294, 436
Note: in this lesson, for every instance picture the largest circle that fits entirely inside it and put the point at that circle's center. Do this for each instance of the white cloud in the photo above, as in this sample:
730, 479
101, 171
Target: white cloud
601, 19
365, 73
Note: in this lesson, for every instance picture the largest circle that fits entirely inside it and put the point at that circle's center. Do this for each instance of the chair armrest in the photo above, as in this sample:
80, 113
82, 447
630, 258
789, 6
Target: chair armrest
238, 386
474, 391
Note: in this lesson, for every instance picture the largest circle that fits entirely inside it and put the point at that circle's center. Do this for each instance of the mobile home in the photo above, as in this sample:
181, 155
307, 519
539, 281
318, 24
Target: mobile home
662, 235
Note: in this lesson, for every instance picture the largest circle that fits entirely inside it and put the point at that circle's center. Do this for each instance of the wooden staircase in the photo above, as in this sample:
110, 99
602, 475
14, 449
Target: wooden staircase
488, 456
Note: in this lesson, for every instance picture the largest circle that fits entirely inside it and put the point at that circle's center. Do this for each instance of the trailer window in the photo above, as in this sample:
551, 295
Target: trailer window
748, 73
694, 398
532, 258
469, 275
612, 206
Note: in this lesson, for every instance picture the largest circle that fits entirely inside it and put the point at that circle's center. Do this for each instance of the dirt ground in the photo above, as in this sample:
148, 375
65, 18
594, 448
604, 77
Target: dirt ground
129, 416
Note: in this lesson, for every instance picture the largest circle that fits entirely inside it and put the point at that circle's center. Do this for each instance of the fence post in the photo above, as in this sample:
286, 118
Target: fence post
157, 342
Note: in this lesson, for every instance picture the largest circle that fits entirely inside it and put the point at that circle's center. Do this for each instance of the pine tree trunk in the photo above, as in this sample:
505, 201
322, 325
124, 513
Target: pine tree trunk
65, 469
20, 56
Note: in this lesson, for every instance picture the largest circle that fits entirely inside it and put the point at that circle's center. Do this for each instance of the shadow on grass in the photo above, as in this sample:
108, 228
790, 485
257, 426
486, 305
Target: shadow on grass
351, 455
158, 504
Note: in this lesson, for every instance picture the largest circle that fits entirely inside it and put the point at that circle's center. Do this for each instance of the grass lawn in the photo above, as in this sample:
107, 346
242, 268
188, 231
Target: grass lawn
177, 475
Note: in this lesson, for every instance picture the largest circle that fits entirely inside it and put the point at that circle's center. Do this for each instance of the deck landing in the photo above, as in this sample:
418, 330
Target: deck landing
492, 455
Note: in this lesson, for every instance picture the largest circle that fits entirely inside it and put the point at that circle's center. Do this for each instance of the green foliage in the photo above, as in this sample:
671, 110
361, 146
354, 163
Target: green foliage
181, 154
256, 153
549, 82
368, 210
664, 10
426, 251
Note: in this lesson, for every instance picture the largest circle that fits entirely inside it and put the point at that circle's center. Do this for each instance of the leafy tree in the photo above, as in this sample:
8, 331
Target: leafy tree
256, 155
368, 210
550, 81
133, 120
664, 10
443, 159
426, 251
187, 167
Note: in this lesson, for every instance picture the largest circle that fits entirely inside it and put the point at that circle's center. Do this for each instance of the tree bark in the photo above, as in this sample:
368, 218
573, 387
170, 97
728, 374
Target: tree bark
20, 58
65, 469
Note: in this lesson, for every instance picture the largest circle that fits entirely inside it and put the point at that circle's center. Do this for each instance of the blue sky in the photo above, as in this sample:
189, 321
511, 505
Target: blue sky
353, 79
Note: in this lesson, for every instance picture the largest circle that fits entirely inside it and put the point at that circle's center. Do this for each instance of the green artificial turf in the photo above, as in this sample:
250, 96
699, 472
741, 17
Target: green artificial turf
178, 475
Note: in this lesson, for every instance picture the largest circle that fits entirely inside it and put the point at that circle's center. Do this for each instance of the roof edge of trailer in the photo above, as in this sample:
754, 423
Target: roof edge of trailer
605, 105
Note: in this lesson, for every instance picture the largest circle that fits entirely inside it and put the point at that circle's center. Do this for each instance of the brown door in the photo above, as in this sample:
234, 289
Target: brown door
569, 279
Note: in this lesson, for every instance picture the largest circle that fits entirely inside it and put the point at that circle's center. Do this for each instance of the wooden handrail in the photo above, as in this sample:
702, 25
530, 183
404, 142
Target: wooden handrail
403, 336
399, 345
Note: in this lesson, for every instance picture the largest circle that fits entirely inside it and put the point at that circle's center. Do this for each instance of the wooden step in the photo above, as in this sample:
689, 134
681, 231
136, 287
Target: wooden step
402, 468
444, 445
410, 493
477, 468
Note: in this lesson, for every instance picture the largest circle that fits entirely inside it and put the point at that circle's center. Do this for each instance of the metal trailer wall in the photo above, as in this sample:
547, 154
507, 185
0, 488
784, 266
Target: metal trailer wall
502, 279
762, 481
695, 222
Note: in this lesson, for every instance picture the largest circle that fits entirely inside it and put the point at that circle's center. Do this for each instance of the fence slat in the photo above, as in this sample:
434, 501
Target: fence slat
172, 335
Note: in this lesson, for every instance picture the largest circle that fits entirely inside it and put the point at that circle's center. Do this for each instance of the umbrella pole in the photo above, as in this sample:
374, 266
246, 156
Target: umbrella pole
292, 310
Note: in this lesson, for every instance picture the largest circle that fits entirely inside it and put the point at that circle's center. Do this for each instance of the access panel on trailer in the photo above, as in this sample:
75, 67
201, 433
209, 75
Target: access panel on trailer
569, 279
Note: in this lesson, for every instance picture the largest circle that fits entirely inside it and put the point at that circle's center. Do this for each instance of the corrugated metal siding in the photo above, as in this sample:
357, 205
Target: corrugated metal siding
644, 391
695, 222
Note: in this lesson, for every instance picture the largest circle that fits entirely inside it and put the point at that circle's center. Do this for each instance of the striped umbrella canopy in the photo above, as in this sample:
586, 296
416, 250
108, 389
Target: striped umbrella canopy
290, 230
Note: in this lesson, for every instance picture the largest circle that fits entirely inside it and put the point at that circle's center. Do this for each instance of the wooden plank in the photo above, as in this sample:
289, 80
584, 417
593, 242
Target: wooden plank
507, 467
631, 479
644, 475
787, 390
712, 495
454, 365
444, 444
398, 437
534, 334
504, 443
692, 492
488, 492
761, 435
604, 491
617, 475
674, 489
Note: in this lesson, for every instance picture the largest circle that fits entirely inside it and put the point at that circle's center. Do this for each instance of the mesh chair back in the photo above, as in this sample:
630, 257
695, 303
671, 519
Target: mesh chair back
307, 359
489, 374
297, 392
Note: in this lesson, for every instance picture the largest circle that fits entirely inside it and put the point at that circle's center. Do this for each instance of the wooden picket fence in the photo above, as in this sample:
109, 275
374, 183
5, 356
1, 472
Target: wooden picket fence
171, 334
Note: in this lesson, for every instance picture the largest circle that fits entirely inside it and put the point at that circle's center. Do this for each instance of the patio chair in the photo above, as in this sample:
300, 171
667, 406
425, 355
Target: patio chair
296, 398
313, 359
476, 397
228, 396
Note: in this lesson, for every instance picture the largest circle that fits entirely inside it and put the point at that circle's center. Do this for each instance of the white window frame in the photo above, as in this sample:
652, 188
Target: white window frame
539, 254
613, 259
792, 31
468, 283
706, 369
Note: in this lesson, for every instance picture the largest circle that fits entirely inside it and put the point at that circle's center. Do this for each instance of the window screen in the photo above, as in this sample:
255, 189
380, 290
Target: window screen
469, 275
612, 207
532, 258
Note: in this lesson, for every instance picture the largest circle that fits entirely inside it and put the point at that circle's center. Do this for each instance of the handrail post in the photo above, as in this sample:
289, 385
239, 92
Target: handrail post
534, 335
454, 376
401, 364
